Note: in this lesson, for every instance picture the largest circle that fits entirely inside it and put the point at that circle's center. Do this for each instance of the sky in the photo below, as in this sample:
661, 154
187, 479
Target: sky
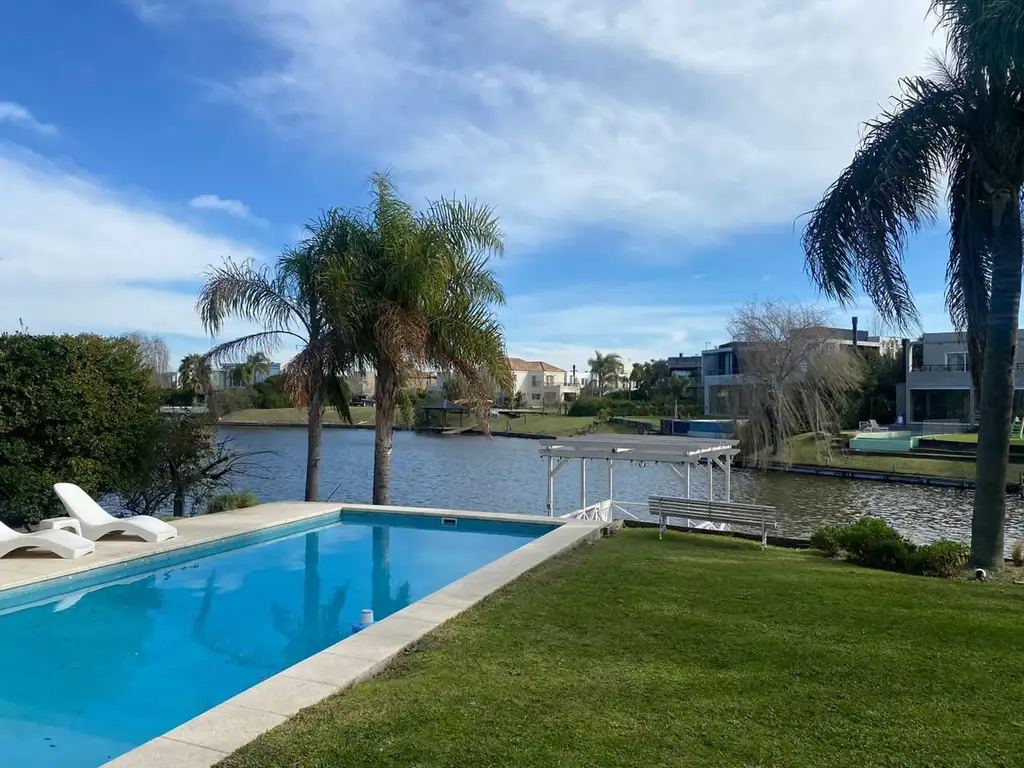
650, 166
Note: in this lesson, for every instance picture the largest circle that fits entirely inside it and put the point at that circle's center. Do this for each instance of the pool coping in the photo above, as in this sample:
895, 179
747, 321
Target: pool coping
27, 569
213, 735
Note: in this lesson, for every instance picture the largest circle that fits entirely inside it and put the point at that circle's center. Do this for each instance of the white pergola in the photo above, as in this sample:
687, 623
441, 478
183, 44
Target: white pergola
679, 452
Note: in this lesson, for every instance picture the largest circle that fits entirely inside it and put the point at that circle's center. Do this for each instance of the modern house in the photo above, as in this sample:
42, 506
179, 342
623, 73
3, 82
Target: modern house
722, 376
686, 366
225, 377
939, 384
542, 384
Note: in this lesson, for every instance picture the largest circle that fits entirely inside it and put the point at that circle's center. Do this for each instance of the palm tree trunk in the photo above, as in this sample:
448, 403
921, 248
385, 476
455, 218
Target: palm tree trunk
384, 433
997, 388
314, 440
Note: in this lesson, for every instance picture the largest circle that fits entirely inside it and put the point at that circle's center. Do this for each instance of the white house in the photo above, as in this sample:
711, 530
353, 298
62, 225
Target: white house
542, 384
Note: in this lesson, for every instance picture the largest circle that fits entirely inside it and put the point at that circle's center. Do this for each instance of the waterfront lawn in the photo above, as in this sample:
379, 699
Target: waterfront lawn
360, 414
530, 424
692, 651
804, 450
971, 438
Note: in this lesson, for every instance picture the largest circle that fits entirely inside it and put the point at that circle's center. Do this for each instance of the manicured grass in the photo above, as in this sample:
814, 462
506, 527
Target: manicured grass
692, 651
967, 438
360, 413
804, 450
532, 424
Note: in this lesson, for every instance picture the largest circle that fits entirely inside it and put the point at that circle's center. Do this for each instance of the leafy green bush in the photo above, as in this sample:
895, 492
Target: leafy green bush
227, 401
1017, 553
73, 409
873, 543
826, 541
270, 393
943, 558
222, 502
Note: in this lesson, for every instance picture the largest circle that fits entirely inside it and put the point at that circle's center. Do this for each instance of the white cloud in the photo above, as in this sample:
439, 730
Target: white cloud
76, 256
10, 112
216, 203
152, 11
679, 116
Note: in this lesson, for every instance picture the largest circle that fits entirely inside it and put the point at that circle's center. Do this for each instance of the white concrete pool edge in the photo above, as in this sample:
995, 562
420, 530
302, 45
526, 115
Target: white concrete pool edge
215, 734
22, 570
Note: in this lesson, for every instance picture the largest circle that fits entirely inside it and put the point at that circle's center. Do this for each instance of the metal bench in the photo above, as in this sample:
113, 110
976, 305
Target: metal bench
728, 512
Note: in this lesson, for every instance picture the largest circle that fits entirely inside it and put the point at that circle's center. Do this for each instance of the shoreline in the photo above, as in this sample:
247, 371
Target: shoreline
428, 430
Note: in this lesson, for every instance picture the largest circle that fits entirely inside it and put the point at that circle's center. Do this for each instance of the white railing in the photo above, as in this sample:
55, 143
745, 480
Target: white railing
602, 511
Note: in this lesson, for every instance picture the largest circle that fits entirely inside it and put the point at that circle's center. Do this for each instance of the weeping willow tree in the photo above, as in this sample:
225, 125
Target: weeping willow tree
962, 127
795, 376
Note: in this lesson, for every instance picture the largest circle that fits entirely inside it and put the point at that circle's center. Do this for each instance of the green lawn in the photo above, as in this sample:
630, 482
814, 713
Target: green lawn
693, 651
533, 424
804, 450
967, 438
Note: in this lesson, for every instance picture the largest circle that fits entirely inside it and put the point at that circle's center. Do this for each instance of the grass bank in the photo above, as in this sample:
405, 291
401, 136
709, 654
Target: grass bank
530, 424
693, 651
804, 450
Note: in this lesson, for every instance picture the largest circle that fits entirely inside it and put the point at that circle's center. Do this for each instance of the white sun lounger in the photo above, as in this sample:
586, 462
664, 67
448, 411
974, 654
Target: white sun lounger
61, 543
97, 522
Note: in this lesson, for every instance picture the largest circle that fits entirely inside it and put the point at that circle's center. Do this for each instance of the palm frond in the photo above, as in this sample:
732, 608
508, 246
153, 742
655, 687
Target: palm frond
247, 292
857, 234
254, 343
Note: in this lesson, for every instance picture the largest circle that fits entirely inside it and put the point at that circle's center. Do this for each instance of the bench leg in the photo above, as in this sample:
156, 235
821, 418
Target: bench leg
662, 527
764, 536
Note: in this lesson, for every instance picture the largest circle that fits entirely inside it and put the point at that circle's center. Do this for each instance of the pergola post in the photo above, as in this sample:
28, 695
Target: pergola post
687, 480
583, 483
611, 465
728, 478
551, 486
711, 479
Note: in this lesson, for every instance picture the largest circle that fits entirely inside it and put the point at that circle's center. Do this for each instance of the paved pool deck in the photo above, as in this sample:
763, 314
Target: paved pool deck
208, 738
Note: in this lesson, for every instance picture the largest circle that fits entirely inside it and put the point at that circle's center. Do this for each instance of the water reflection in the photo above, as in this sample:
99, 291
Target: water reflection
508, 475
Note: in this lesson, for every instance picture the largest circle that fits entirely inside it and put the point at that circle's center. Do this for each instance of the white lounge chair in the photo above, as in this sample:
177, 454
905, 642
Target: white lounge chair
61, 543
97, 522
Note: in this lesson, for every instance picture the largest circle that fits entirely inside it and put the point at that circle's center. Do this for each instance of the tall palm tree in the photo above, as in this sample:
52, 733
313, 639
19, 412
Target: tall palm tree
413, 289
605, 368
195, 375
289, 302
966, 122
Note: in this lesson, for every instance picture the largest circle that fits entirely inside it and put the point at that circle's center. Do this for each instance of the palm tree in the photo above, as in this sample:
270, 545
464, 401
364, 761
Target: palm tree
194, 375
605, 368
964, 123
414, 290
289, 302
254, 365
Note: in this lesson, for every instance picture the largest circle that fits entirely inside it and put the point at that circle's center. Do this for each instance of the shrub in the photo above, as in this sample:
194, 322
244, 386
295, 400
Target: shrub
874, 543
227, 401
222, 502
270, 393
73, 409
1017, 553
826, 541
943, 558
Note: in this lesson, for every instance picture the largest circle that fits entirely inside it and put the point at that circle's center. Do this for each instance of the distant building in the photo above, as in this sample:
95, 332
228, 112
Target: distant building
686, 366
722, 375
542, 384
939, 386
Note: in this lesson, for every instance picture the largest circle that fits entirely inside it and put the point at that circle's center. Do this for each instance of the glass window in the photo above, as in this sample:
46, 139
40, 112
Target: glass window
956, 361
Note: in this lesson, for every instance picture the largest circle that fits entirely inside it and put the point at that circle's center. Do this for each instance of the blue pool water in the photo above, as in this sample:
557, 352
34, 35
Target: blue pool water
101, 663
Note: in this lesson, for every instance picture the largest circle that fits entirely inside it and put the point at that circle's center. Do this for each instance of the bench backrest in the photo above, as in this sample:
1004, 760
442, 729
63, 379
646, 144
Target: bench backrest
713, 511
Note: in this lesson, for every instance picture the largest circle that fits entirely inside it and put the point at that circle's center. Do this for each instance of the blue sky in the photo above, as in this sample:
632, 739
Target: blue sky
649, 168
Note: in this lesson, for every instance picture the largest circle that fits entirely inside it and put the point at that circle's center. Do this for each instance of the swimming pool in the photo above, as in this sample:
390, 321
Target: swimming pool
99, 663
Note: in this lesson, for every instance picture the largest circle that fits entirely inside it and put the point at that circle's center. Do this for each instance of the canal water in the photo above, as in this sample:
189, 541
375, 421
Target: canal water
508, 475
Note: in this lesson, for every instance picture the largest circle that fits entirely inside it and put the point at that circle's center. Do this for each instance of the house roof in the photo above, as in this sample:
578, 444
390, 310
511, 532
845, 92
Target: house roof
518, 364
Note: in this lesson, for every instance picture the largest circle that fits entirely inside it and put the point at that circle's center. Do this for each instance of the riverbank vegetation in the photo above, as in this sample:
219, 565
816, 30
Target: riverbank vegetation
695, 650
84, 409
